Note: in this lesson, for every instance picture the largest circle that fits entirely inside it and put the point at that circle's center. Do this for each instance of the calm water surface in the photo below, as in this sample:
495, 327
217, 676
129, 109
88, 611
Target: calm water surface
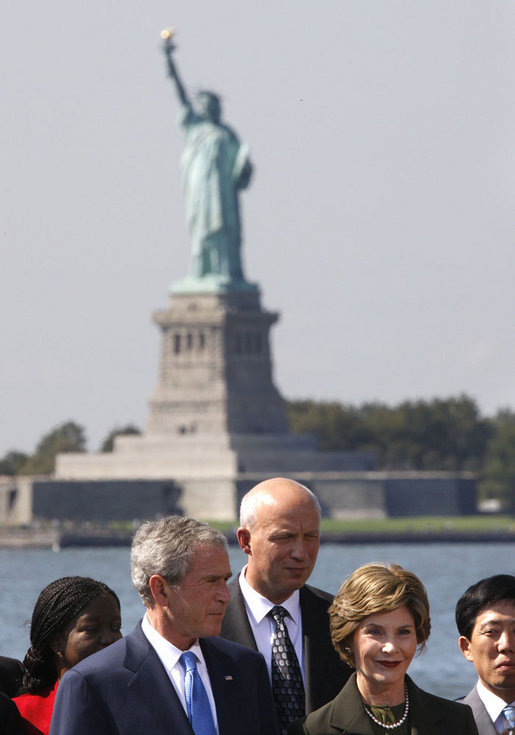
446, 570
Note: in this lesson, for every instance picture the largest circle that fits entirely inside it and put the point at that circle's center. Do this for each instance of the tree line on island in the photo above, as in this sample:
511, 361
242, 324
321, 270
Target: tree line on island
66, 437
434, 435
439, 434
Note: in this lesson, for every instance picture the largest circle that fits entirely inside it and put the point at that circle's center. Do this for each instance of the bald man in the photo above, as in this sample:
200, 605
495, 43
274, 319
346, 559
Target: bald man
280, 533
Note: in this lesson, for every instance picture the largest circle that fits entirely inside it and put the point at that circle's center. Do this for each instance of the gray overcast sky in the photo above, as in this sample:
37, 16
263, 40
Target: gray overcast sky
380, 222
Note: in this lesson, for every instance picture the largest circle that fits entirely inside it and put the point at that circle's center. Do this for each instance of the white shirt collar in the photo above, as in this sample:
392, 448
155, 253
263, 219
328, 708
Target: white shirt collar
167, 652
494, 705
260, 606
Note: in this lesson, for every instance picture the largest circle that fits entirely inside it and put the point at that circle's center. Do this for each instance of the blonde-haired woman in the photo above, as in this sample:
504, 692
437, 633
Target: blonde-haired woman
379, 618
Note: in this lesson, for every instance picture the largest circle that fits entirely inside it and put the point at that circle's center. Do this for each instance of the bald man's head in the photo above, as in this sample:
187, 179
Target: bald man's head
280, 533
269, 492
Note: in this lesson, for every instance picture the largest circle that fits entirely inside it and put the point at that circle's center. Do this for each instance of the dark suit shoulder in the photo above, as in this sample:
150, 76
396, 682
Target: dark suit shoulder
234, 585
446, 704
467, 698
10, 719
307, 591
110, 662
459, 715
420, 695
455, 715
314, 592
11, 675
130, 651
110, 656
326, 673
234, 650
235, 624
316, 722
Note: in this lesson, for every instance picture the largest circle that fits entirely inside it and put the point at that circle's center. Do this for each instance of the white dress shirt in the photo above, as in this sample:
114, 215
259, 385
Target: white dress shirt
263, 627
494, 705
169, 656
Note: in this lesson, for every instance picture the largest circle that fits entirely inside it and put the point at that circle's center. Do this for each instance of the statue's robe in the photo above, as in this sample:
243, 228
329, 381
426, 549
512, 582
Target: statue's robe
214, 166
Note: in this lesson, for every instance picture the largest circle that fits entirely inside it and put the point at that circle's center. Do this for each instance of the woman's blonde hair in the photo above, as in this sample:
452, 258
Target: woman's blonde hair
375, 588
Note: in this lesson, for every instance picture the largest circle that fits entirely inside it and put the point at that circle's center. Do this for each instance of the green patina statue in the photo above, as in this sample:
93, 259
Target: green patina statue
215, 166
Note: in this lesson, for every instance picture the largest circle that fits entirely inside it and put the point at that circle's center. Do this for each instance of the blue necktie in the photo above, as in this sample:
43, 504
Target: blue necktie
197, 702
509, 717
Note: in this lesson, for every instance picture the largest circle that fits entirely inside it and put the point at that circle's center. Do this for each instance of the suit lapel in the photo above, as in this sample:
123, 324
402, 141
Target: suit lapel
314, 647
483, 720
224, 684
236, 619
419, 713
312, 672
347, 712
153, 688
349, 715
426, 715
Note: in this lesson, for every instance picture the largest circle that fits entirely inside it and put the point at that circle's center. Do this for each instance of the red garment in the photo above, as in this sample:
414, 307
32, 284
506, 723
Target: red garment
36, 710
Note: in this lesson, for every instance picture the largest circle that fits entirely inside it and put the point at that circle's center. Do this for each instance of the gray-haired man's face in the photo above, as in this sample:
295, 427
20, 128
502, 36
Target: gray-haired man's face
196, 607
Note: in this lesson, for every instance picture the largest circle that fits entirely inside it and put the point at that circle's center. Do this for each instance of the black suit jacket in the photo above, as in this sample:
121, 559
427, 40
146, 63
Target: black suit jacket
484, 723
10, 719
11, 676
429, 715
325, 672
125, 690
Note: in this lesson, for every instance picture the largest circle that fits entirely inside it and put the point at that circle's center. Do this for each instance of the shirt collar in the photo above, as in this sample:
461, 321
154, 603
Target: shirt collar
260, 606
494, 705
167, 652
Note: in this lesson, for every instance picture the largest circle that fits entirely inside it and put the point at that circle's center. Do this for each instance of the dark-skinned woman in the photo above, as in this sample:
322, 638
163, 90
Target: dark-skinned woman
73, 618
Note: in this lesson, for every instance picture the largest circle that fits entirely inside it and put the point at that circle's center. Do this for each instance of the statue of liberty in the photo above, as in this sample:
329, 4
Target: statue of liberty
215, 167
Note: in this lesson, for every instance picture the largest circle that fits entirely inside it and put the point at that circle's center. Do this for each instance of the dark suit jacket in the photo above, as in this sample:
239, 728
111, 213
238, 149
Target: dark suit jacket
325, 672
11, 676
10, 720
485, 726
125, 690
429, 715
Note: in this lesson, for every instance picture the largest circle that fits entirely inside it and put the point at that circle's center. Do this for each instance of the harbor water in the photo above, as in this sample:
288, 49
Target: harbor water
446, 570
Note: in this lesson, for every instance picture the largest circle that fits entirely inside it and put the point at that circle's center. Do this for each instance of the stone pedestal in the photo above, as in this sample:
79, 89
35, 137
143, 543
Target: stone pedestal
215, 369
215, 415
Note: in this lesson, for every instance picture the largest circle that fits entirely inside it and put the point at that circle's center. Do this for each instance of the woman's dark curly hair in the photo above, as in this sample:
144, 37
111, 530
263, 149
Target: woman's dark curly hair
57, 607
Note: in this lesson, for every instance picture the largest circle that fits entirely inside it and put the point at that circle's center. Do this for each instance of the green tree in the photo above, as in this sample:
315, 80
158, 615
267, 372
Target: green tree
66, 437
335, 425
108, 443
12, 462
498, 475
441, 434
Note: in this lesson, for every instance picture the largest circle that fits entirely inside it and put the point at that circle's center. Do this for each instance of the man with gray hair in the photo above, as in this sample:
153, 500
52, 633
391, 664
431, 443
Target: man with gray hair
170, 675
271, 606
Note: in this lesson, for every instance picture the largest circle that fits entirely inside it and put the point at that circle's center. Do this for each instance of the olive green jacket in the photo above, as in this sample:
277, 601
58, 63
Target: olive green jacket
428, 715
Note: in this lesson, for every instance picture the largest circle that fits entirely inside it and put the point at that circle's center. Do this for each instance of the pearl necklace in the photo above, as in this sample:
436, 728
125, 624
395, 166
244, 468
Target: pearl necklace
395, 724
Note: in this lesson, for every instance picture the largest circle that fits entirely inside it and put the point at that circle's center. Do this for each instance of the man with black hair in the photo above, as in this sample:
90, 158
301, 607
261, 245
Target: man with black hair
485, 616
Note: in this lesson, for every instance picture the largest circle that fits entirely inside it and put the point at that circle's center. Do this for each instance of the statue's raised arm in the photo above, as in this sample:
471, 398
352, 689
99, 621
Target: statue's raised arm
215, 167
168, 48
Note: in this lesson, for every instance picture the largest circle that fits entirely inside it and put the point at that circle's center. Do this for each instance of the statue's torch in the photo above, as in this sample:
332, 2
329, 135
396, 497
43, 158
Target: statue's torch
167, 35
